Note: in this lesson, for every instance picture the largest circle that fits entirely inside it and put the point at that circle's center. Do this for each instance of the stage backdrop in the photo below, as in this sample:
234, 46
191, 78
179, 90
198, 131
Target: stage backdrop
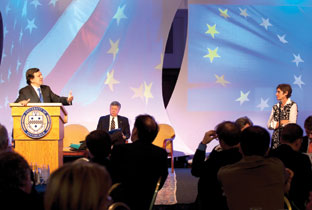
104, 50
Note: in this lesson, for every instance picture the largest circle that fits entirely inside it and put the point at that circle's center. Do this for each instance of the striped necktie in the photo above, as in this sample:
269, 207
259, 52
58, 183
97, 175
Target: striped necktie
113, 124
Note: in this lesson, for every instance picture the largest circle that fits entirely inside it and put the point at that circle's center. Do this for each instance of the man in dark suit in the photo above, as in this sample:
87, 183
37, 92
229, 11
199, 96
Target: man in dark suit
139, 165
36, 92
114, 121
288, 153
307, 140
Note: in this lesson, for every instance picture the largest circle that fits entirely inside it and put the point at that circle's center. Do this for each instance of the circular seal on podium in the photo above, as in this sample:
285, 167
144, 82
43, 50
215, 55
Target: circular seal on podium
36, 122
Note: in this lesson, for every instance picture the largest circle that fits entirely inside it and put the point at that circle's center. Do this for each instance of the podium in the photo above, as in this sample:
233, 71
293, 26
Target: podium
38, 132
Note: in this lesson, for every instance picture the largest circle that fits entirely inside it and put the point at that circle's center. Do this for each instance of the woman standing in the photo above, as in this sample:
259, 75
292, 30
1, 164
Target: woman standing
284, 112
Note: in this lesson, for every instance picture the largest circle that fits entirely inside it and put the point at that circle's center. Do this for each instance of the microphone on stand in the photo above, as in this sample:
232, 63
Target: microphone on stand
279, 121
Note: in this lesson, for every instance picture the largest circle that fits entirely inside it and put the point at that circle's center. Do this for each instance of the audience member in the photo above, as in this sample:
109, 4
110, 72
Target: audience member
306, 145
99, 147
4, 138
254, 181
114, 121
309, 205
209, 189
15, 183
288, 153
139, 165
243, 122
78, 186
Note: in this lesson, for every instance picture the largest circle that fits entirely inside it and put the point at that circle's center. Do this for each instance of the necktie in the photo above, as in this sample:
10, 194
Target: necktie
310, 147
113, 124
40, 95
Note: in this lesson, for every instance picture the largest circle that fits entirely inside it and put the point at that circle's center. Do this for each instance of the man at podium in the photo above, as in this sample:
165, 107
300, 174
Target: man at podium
36, 92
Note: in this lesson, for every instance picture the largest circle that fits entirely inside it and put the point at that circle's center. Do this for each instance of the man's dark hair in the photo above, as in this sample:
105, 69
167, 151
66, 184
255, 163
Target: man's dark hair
255, 140
228, 132
242, 121
115, 103
291, 132
14, 170
30, 74
147, 128
308, 123
4, 138
99, 143
284, 88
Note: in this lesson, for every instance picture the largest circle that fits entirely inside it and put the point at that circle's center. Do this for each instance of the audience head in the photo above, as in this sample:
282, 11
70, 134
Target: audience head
145, 129
243, 122
99, 143
285, 88
292, 134
4, 138
228, 133
114, 108
255, 140
15, 173
308, 126
79, 185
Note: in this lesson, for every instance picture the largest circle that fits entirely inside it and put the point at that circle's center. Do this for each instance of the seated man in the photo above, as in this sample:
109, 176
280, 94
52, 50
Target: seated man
36, 92
288, 153
254, 181
99, 146
4, 139
114, 121
306, 146
139, 165
209, 189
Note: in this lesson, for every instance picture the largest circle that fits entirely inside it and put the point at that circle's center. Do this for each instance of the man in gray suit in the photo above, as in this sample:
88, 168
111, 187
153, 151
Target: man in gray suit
36, 92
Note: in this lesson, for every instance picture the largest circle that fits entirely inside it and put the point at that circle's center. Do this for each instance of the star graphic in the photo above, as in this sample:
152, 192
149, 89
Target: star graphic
243, 97
36, 3
212, 30
221, 80
297, 59
138, 92
263, 104
24, 11
53, 2
18, 64
20, 36
114, 48
243, 12
9, 74
5, 31
223, 13
110, 80
7, 9
147, 91
12, 47
30, 25
1, 80
120, 14
265, 23
298, 81
159, 66
212, 54
282, 38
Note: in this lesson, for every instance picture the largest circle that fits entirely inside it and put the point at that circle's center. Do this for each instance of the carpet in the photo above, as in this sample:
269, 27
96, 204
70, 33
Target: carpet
167, 194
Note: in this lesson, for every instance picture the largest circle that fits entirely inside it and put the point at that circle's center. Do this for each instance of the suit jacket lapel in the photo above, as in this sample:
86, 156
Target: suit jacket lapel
33, 94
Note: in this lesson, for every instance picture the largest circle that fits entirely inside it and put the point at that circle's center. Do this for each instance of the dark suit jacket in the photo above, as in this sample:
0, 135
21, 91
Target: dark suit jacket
304, 145
29, 92
123, 123
209, 189
301, 183
138, 166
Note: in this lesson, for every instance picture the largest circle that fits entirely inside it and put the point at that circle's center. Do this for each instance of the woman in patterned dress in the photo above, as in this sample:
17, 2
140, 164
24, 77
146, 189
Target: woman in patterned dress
284, 112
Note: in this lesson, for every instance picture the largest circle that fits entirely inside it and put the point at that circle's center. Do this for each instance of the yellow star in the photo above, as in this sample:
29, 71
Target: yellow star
223, 13
110, 80
147, 91
212, 30
159, 66
221, 80
138, 92
114, 48
212, 54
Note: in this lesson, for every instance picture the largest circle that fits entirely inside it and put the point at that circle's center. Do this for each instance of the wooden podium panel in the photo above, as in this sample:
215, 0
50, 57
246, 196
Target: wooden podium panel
47, 150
